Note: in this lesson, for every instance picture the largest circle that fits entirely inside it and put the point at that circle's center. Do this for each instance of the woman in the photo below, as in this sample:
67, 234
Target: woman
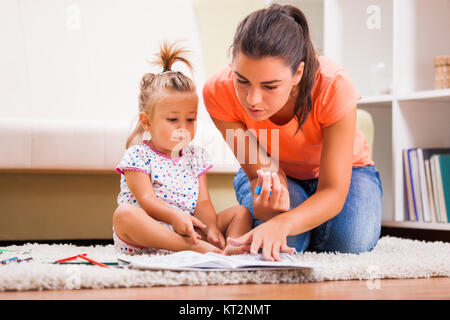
323, 192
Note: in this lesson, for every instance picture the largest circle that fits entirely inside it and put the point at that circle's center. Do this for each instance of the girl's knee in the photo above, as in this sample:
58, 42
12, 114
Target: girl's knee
244, 215
242, 212
123, 214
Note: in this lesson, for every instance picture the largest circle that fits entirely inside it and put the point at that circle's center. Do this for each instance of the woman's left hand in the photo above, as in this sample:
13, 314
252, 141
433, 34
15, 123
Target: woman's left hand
273, 197
271, 236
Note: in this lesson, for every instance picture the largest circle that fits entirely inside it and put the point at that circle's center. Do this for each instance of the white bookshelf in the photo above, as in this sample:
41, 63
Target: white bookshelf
376, 99
401, 37
442, 95
417, 225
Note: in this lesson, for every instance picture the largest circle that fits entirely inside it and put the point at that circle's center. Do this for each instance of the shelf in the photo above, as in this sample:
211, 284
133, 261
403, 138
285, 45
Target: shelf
442, 95
417, 225
376, 99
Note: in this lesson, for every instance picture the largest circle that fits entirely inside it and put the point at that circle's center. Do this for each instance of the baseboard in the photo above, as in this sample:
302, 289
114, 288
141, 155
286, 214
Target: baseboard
416, 234
76, 242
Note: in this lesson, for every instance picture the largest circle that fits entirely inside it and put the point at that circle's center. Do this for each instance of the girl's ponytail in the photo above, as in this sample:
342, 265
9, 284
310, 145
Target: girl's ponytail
137, 132
168, 54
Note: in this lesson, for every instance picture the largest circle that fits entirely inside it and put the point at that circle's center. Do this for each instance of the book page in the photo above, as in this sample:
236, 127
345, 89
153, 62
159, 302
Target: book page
178, 260
190, 260
251, 261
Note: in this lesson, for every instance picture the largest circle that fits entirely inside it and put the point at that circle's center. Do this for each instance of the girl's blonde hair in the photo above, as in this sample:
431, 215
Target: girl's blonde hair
155, 86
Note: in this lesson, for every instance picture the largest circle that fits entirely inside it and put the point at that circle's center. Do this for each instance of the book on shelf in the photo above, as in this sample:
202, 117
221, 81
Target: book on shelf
423, 192
427, 188
433, 211
442, 170
194, 261
415, 186
412, 211
437, 189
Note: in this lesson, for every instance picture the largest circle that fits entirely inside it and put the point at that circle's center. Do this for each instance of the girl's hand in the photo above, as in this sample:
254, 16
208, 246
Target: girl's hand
215, 237
184, 225
270, 236
274, 196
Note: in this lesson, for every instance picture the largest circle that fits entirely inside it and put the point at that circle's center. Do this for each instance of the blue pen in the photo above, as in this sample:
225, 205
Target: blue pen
9, 260
258, 190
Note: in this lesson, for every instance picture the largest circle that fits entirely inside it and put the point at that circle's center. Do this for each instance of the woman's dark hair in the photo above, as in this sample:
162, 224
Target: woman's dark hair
281, 31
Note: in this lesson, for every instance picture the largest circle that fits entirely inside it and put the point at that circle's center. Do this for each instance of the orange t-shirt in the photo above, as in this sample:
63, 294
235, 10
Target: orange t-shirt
333, 96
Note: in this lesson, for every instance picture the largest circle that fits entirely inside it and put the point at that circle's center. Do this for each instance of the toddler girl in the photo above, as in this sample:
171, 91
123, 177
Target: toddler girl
164, 201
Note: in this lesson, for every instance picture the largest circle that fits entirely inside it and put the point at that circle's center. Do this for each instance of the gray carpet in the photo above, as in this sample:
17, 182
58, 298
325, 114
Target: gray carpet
391, 258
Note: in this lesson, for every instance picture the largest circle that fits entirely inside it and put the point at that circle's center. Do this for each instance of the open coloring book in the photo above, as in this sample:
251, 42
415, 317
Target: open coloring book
190, 260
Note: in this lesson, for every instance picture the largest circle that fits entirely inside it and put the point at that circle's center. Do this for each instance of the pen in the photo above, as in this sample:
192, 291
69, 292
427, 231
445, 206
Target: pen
86, 262
9, 260
18, 250
258, 190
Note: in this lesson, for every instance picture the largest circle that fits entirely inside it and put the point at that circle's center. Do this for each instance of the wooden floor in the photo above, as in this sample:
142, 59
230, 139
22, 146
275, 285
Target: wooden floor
388, 289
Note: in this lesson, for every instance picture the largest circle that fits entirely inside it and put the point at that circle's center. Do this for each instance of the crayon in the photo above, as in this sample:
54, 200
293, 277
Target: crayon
93, 261
71, 258
89, 263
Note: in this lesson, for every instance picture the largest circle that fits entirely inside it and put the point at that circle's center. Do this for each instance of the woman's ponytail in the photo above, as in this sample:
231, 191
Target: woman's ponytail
304, 102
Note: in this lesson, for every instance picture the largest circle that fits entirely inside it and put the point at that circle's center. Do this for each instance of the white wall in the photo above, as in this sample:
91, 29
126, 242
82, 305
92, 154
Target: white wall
70, 73
358, 35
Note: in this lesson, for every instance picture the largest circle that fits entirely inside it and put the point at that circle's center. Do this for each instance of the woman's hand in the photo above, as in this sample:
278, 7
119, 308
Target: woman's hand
270, 236
274, 196
183, 224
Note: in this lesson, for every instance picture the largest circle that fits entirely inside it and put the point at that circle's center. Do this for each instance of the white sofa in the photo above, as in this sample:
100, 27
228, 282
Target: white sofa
70, 79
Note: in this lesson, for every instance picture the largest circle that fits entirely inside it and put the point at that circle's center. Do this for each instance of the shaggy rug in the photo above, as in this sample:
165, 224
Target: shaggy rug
391, 258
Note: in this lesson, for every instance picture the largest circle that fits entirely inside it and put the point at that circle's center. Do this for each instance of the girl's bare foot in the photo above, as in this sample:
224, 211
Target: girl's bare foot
204, 247
231, 250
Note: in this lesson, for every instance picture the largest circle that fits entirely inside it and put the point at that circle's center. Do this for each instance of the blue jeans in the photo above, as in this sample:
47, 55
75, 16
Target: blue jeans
355, 229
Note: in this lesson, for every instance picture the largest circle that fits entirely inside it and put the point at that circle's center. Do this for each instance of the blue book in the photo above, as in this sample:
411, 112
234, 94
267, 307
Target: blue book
411, 215
444, 168
424, 157
414, 176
